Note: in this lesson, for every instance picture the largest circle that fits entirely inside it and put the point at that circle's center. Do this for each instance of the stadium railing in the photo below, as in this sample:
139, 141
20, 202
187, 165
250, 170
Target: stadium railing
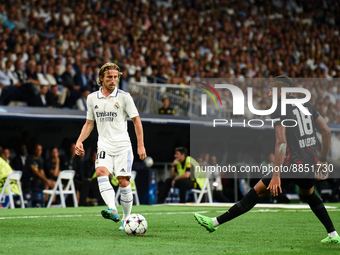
184, 99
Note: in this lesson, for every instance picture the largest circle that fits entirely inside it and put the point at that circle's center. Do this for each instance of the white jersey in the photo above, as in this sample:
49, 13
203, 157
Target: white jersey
110, 115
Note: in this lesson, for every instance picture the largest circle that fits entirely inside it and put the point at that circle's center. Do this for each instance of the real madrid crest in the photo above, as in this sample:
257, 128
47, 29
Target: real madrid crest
117, 105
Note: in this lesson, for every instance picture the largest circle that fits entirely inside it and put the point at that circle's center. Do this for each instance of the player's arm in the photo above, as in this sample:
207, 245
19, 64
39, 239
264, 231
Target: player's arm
85, 132
280, 153
140, 139
322, 127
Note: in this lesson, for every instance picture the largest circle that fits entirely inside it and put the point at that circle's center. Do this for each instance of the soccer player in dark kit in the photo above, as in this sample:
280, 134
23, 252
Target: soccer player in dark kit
295, 147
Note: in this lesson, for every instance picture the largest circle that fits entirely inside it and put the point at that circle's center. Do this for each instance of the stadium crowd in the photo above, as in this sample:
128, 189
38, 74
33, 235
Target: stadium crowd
44, 43
50, 51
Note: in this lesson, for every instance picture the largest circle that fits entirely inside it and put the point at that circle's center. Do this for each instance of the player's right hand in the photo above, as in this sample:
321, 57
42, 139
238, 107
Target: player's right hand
275, 186
80, 149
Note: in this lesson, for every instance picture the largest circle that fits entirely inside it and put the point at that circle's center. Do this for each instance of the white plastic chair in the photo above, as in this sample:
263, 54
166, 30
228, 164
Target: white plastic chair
16, 176
134, 192
206, 189
58, 188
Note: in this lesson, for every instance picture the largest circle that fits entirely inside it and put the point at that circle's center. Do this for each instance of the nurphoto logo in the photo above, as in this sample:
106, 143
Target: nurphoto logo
238, 99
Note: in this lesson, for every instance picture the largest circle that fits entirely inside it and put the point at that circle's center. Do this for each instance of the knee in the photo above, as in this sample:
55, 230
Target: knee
102, 171
124, 181
306, 192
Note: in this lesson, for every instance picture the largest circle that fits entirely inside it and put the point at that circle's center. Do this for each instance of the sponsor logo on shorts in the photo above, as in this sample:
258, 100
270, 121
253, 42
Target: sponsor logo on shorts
123, 170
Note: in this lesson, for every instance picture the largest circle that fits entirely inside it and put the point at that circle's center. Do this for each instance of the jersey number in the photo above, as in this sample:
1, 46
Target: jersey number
101, 155
304, 123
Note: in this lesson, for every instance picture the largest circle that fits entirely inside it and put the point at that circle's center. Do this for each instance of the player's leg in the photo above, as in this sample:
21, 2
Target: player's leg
104, 162
241, 207
183, 185
319, 210
123, 167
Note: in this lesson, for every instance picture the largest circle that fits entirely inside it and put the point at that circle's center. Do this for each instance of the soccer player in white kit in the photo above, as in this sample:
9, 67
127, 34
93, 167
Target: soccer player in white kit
109, 107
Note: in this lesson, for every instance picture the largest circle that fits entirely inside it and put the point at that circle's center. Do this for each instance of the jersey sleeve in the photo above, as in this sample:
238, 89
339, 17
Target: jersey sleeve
130, 107
314, 112
90, 110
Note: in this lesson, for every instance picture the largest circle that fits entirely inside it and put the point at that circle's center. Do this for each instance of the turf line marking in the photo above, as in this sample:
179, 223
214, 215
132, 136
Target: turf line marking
156, 213
40, 216
99, 215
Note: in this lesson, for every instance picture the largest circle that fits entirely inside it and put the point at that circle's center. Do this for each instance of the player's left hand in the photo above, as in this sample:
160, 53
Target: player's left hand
322, 171
275, 186
141, 152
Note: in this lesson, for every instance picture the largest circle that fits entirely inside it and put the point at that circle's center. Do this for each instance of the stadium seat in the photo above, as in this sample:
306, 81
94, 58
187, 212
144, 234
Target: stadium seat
58, 188
205, 190
134, 192
16, 176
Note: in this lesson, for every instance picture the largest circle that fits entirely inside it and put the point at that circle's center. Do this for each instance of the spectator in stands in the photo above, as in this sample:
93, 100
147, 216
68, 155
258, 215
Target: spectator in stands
166, 109
71, 85
22, 162
52, 164
124, 81
41, 77
8, 91
180, 175
37, 168
138, 77
80, 78
32, 76
43, 99
5, 170
50, 76
6, 155
56, 99
57, 75
244, 53
71, 161
81, 102
91, 79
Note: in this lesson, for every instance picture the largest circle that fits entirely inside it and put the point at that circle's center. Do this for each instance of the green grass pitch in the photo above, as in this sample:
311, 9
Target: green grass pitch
172, 230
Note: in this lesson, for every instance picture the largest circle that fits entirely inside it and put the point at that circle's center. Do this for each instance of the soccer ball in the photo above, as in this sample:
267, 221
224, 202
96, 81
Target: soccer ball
148, 161
135, 224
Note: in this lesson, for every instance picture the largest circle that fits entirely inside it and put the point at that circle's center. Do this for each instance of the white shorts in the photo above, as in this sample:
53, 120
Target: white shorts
118, 165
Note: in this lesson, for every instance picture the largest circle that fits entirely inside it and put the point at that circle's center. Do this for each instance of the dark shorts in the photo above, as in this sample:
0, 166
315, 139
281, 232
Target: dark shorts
306, 183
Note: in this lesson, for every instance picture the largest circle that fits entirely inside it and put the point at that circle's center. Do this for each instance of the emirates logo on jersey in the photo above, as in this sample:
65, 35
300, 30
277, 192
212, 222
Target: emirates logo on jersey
117, 105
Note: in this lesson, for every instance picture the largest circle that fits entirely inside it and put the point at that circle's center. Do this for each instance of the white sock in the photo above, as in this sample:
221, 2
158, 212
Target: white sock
106, 191
216, 224
126, 199
333, 234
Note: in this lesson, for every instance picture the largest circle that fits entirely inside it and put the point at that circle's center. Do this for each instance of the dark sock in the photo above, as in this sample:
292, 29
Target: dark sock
320, 211
247, 203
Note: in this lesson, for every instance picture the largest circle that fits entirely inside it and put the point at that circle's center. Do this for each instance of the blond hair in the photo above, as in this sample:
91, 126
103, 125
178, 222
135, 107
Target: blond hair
107, 66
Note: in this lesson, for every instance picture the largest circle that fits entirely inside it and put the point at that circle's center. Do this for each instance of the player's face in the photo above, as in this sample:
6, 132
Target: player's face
110, 80
271, 86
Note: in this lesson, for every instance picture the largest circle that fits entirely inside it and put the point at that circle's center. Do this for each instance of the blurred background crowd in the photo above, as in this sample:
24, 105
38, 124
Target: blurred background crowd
50, 51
